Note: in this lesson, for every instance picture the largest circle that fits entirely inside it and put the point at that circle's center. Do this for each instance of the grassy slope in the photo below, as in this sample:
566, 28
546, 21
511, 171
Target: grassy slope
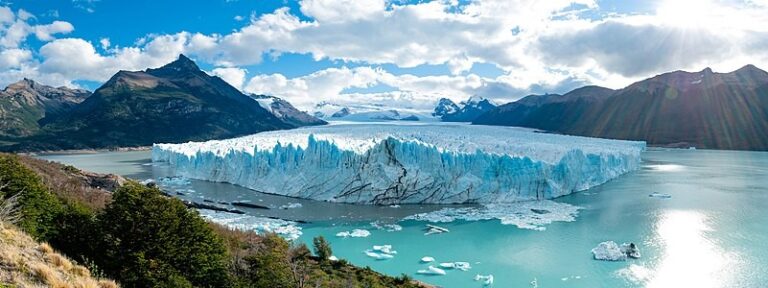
26, 263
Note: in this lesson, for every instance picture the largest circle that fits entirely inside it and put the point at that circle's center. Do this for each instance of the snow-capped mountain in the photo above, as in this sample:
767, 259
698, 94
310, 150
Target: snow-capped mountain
444, 107
465, 111
283, 110
368, 113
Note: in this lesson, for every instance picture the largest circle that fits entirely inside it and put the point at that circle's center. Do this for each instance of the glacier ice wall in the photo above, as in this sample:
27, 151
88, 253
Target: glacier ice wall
399, 164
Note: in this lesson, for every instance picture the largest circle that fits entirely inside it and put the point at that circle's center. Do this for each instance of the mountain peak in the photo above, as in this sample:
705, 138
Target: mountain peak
181, 64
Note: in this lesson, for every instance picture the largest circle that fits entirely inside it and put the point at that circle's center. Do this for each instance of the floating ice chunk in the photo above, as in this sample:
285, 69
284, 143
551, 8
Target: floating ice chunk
463, 266
147, 181
173, 181
519, 214
631, 250
427, 259
635, 273
610, 251
660, 195
487, 279
386, 249
291, 206
287, 229
434, 229
378, 256
356, 233
386, 227
333, 258
394, 206
431, 270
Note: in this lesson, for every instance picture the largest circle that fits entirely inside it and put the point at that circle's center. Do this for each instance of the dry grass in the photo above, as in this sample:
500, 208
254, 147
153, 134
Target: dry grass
26, 263
68, 183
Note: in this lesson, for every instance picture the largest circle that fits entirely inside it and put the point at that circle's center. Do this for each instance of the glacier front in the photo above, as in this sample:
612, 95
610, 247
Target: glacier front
388, 164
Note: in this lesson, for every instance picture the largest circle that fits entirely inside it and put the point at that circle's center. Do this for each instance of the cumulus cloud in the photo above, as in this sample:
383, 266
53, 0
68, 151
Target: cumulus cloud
538, 45
233, 76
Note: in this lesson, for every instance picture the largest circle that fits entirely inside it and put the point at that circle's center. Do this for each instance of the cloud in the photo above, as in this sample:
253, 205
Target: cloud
14, 28
539, 46
233, 76
412, 92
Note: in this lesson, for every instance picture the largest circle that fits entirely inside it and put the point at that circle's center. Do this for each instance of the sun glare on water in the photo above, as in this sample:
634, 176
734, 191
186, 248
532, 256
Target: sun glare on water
690, 258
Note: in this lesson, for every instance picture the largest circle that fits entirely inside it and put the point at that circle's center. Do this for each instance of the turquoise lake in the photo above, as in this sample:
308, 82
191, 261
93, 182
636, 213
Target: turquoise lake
712, 232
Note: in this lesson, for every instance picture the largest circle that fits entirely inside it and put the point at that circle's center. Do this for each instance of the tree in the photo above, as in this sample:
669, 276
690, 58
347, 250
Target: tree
149, 240
38, 206
322, 248
271, 267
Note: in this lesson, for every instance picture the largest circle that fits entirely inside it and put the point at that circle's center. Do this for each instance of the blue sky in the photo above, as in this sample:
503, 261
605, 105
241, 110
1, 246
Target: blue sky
398, 53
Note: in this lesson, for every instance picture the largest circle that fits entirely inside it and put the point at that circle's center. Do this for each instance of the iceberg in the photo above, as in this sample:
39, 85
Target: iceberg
463, 266
487, 279
427, 259
378, 256
356, 233
431, 270
610, 251
385, 164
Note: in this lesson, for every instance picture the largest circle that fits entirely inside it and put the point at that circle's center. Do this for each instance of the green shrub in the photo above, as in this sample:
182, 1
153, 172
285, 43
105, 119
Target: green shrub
322, 248
150, 240
38, 206
271, 267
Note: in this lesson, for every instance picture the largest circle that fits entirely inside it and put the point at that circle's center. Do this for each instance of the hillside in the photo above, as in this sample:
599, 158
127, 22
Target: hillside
24, 103
677, 109
92, 218
26, 263
174, 103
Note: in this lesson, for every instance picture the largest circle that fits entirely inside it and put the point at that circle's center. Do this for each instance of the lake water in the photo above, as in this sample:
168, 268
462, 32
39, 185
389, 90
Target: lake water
712, 232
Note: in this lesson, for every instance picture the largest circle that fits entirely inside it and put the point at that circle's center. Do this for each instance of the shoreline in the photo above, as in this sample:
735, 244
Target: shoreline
86, 151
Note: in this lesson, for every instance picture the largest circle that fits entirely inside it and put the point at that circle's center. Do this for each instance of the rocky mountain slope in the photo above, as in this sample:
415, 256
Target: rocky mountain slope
174, 103
680, 109
284, 111
23, 104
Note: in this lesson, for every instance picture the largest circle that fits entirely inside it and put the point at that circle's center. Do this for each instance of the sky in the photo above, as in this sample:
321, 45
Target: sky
397, 53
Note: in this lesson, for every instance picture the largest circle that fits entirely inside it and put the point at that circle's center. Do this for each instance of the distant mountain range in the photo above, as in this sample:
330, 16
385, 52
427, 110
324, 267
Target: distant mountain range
677, 109
24, 103
465, 111
174, 103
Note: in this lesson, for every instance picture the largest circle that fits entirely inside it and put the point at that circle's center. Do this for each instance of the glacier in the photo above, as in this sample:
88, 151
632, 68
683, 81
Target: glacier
387, 164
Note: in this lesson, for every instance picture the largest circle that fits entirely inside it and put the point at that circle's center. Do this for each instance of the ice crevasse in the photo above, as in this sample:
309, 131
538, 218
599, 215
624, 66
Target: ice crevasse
387, 164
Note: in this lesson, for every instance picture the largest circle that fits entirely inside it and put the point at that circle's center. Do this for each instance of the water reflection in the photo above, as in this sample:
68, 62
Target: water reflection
666, 167
690, 259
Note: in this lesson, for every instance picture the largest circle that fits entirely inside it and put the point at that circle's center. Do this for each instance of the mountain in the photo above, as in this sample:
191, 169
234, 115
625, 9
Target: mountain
678, 109
24, 103
368, 113
174, 103
286, 112
444, 107
465, 111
